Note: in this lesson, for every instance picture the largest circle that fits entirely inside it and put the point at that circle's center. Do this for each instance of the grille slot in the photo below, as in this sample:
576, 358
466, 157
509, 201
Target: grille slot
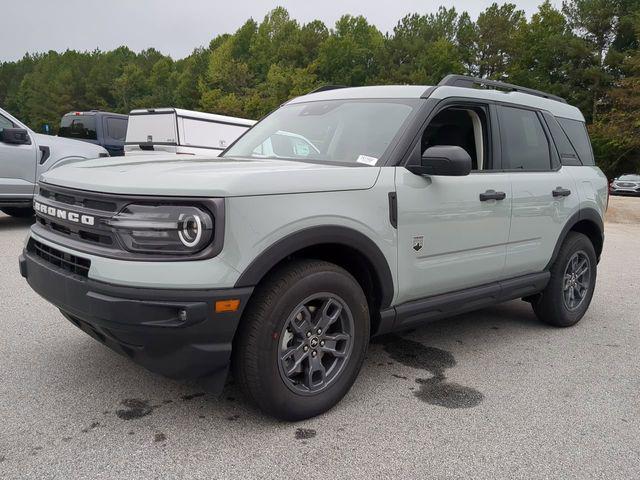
78, 200
66, 261
105, 239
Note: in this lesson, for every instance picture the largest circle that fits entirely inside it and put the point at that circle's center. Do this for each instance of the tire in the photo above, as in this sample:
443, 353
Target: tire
552, 306
18, 212
263, 336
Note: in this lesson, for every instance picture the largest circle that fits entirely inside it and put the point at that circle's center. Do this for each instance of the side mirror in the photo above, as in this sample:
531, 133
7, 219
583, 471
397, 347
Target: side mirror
448, 160
15, 136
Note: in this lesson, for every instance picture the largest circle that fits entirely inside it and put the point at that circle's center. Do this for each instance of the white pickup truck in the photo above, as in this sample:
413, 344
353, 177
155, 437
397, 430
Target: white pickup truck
25, 155
175, 130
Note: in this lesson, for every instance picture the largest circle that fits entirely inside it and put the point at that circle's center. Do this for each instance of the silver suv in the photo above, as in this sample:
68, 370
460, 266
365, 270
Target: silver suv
346, 213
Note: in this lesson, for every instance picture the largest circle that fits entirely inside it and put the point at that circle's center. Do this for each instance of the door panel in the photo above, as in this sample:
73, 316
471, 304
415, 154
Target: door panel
463, 239
537, 218
17, 170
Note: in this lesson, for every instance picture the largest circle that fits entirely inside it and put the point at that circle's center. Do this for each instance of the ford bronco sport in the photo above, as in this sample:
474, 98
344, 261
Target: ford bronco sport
373, 209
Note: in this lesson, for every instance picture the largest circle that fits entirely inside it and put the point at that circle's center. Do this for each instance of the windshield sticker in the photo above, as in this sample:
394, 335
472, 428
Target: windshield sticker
367, 160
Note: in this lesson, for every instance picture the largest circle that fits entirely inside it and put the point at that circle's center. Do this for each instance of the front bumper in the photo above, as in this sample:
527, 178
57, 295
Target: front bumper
632, 189
176, 333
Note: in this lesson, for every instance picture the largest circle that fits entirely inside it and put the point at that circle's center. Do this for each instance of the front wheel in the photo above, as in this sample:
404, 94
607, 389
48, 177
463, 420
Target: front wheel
568, 294
302, 340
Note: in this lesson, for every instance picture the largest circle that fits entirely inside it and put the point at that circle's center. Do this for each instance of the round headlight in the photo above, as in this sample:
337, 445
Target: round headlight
163, 229
190, 229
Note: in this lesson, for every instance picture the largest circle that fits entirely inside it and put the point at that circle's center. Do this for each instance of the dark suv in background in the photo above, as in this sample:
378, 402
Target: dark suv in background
102, 128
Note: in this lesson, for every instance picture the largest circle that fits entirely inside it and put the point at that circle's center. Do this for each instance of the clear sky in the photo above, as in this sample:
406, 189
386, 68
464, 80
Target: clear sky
176, 27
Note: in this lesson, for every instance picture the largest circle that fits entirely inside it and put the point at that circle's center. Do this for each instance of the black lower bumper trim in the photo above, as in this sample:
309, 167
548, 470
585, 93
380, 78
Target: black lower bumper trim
176, 333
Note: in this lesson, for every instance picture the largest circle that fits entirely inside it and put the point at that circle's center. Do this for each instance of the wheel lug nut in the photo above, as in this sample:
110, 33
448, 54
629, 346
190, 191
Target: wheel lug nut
308, 334
319, 331
314, 353
322, 343
305, 348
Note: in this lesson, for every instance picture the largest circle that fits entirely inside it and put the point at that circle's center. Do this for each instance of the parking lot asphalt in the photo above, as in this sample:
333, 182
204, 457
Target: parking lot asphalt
519, 399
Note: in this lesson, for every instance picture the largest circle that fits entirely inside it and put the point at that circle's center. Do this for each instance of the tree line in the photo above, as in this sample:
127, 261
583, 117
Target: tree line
587, 51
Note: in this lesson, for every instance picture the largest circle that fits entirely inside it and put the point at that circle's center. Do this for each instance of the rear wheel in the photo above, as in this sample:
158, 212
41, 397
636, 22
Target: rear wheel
18, 212
568, 294
302, 340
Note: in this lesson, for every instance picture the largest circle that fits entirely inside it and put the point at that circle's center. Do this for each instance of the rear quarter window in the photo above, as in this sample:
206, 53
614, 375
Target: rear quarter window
576, 131
568, 155
116, 128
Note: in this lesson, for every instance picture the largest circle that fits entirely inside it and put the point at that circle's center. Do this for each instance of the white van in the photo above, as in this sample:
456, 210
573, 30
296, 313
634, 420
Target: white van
181, 131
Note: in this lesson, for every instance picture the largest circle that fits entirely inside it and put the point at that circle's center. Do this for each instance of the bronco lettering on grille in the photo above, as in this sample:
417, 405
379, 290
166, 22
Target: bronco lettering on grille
64, 214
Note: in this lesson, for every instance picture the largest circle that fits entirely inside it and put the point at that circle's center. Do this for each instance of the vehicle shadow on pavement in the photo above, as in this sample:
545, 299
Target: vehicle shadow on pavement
427, 353
8, 223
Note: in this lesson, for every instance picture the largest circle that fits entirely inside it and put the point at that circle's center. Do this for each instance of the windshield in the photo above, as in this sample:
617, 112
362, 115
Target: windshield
633, 178
336, 131
78, 126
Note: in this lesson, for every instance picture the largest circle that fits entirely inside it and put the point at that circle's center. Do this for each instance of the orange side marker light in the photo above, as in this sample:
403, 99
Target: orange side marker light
227, 305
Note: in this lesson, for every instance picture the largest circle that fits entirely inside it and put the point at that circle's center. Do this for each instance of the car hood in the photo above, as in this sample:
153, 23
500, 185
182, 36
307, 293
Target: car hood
67, 147
204, 176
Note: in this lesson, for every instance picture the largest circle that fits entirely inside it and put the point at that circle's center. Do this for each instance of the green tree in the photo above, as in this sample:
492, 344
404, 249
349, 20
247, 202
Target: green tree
350, 54
497, 28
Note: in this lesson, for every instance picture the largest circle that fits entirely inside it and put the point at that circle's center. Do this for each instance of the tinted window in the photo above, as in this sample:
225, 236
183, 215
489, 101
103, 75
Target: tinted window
5, 123
524, 143
78, 126
577, 133
568, 155
116, 128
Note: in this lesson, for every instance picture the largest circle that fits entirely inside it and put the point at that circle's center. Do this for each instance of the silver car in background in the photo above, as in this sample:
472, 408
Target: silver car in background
627, 184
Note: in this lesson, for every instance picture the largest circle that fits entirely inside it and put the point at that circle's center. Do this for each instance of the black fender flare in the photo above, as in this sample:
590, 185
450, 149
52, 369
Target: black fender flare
589, 214
319, 235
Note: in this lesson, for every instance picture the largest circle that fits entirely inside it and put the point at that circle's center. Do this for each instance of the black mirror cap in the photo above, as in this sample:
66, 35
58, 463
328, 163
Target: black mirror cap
15, 136
449, 160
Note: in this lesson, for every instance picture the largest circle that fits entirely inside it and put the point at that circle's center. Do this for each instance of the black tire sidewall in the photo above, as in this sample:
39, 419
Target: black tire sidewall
551, 307
276, 397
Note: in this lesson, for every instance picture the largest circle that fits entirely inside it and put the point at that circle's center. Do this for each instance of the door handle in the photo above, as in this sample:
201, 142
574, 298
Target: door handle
561, 192
492, 195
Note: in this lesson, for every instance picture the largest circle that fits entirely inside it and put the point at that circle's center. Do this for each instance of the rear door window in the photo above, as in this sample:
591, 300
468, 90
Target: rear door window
82, 127
577, 133
524, 142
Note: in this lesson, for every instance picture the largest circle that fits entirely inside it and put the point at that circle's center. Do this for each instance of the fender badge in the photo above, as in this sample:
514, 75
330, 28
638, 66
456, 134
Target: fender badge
418, 242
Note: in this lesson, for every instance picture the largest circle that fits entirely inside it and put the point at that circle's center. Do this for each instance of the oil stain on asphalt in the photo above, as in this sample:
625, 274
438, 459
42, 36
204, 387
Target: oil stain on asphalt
134, 408
435, 390
305, 433
191, 396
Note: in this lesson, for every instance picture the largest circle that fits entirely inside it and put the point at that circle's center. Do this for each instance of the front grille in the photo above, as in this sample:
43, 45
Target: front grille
66, 261
95, 205
104, 238
78, 200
